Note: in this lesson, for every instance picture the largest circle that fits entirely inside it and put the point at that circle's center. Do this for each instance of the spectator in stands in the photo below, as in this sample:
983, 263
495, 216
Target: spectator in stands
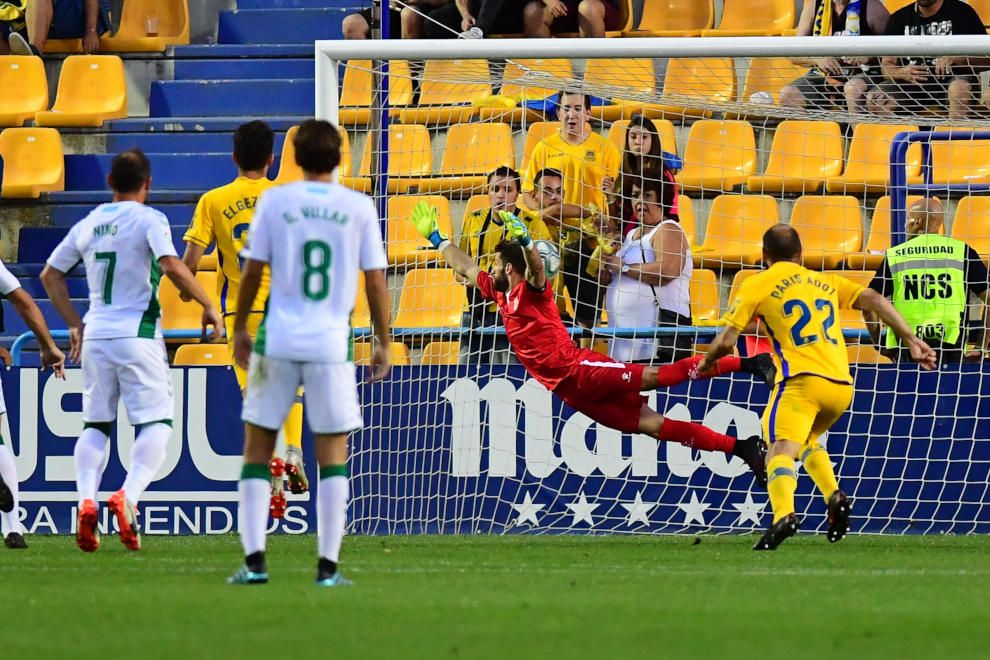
12, 21
836, 82
642, 158
545, 18
649, 281
405, 20
482, 230
916, 83
589, 164
61, 19
929, 278
474, 19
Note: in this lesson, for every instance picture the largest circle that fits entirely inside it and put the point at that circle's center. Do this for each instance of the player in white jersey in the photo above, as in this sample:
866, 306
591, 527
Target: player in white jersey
125, 247
52, 357
315, 236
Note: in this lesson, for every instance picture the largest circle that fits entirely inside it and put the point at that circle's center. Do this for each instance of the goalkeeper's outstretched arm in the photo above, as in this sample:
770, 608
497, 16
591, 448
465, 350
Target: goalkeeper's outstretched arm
425, 218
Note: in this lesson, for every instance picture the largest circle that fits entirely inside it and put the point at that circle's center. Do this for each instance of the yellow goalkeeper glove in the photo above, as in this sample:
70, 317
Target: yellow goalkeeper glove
515, 228
425, 218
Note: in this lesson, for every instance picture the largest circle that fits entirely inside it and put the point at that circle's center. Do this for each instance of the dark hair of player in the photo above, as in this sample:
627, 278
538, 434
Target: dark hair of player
506, 171
512, 253
129, 171
586, 97
545, 172
317, 144
253, 143
781, 243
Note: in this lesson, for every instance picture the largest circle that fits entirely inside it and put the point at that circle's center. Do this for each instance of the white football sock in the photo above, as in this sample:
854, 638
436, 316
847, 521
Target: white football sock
90, 454
147, 456
11, 521
331, 515
252, 513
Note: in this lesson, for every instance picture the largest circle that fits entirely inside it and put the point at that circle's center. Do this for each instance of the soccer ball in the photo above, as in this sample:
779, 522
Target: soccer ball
551, 258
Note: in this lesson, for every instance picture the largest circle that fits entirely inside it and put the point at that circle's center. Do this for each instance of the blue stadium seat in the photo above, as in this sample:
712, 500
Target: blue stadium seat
14, 325
253, 98
169, 171
279, 26
35, 244
77, 287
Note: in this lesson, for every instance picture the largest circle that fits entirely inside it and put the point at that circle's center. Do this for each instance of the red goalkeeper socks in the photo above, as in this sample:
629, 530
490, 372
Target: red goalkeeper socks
687, 369
695, 436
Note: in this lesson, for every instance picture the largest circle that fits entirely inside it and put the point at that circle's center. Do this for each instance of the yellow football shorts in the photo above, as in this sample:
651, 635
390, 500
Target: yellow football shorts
803, 407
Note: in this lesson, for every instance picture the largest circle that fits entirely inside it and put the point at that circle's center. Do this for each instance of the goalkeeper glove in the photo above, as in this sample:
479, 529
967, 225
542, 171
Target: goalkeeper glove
424, 217
516, 228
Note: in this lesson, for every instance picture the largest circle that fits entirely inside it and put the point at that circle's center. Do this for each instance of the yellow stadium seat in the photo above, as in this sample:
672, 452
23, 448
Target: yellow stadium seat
441, 352
720, 155
737, 280
33, 162
704, 296
23, 89
471, 153
852, 319
960, 161
289, 171
361, 316
357, 95
410, 159
803, 155
879, 237
894, 5
537, 131
706, 80
514, 87
674, 18
868, 164
685, 211
449, 89
398, 353
734, 233
91, 90
770, 75
405, 245
430, 298
668, 139
741, 18
172, 18
636, 75
865, 354
204, 355
971, 223
178, 315
831, 228
982, 8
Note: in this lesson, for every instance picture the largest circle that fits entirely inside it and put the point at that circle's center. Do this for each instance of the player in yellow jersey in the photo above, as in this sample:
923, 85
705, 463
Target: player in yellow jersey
799, 310
223, 216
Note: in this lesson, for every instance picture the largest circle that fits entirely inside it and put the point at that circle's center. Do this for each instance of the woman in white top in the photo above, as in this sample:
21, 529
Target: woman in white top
649, 278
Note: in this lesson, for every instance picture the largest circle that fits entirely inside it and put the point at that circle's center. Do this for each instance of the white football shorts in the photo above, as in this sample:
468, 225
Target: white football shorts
331, 394
129, 368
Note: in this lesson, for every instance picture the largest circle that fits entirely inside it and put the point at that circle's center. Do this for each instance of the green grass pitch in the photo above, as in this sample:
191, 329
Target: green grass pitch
503, 597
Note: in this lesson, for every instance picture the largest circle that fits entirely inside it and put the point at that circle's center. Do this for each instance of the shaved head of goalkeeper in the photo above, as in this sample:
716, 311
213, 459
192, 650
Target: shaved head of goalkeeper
317, 145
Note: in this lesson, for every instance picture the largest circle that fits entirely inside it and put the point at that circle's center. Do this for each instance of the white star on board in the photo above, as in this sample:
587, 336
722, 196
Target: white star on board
639, 511
527, 511
749, 510
582, 510
694, 510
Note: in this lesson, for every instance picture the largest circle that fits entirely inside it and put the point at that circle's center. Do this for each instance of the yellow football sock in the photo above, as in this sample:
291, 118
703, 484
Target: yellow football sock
783, 483
293, 426
819, 466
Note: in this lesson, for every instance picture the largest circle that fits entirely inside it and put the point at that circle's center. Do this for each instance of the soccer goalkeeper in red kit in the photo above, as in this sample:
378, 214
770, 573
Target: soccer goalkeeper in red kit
605, 390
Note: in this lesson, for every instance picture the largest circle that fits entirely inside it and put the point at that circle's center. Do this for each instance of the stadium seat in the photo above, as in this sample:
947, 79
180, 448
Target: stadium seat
430, 298
448, 91
636, 75
357, 96
704, 296
709, 81
868, 164
91, 90
741, 18
685, 211
472, 151
734, 233
23, 89
769, 75
441, 352
514, 91
737, 280
476, 203
674, 18
132, 35
894, 5
960, 161
720, 155
406, 247
982, 8
361, 315
971, 223
178, 315
668, 139
803, 155
831, 227
398, 353
289, 171
211, 355
32, 162
410, 159
865, 354
879, 238
852, 319
537, 131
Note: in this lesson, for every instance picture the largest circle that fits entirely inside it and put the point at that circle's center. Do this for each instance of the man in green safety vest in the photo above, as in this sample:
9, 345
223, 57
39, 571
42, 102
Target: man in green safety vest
929, 278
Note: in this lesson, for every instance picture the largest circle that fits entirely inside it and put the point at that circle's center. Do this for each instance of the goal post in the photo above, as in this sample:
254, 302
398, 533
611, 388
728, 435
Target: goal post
460, 440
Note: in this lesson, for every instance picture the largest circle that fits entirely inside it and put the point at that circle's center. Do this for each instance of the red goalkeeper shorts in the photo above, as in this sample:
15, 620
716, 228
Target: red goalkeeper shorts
605, 390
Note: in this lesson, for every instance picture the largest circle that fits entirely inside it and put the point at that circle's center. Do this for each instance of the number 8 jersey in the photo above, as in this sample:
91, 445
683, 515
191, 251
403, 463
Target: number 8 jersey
800, 312
120, 245
315, 238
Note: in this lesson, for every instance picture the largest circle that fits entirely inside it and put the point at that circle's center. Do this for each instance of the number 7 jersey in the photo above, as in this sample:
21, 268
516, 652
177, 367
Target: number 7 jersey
315, 238
799, 309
